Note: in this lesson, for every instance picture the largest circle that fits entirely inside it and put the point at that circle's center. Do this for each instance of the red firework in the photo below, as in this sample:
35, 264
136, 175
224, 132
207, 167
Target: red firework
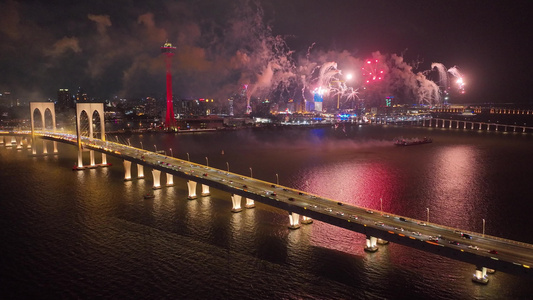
371, 71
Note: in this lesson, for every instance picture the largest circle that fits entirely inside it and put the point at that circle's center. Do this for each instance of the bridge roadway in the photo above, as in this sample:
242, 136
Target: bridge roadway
483, 251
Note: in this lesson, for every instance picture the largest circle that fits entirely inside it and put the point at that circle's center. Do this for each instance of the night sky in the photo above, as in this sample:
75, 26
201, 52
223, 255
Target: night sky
112, 48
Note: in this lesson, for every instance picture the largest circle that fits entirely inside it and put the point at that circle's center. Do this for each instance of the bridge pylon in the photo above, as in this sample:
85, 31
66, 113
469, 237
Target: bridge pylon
90, 109
42, 107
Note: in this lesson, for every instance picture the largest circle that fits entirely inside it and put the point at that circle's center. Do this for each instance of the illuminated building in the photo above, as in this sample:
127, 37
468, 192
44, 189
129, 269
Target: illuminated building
318, 100
81, 95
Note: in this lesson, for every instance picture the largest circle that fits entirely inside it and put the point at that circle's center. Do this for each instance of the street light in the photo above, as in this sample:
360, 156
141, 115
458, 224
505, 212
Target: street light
227, 165
277, 179
188, 158
483, 227
142, 146
251, 174
116, 137
129, 144
171, 154
428, 214
155, 148
206, 162
381, 204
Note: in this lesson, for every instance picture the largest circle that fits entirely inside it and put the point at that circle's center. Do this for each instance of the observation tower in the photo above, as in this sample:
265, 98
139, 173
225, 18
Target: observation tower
168, 51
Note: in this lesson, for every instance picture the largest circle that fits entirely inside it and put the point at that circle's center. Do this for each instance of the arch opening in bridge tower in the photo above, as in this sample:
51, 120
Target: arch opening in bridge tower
42, 114
38, 120
96, 125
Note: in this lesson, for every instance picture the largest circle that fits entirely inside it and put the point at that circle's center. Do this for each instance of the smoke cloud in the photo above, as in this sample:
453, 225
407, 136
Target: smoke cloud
221, 47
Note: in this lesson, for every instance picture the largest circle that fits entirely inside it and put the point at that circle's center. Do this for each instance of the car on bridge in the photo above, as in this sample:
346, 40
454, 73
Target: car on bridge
466, 236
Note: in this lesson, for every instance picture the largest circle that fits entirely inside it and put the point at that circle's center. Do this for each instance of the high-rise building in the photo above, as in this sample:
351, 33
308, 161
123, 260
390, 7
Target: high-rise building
6, 100
64, 99
230, 104
81, 95
318, 100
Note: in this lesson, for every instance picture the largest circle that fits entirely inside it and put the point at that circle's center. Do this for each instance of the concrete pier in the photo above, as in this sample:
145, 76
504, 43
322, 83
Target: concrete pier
236, 203
481, 275
156, 174
170, 179
306, 220
140, 171
205, 190
371, 244
249, 203
127, 170
191, 185
294, 220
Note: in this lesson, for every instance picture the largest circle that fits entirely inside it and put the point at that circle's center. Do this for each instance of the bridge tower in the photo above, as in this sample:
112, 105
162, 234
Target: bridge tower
90, 109
42, 107
168, 51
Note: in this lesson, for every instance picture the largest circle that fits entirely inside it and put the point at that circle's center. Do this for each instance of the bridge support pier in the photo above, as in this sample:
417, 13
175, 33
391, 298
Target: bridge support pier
7, 142
170, 179
140, 171
249, 203
156, 174
481, 275
104, 160
371, 244
93, 164
294, 220
45, 151
2, 142
19, 143
205, 190
55, 146
191, 185
127, 169
306, 220
382, 242
236, 202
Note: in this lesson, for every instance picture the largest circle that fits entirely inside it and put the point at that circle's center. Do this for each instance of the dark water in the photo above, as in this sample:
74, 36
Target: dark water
89, 234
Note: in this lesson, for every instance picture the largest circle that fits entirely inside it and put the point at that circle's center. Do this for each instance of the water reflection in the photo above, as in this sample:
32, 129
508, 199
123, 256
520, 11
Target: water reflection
453, 182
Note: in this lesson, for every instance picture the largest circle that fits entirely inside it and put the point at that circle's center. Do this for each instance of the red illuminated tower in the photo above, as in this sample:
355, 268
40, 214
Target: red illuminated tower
169, 51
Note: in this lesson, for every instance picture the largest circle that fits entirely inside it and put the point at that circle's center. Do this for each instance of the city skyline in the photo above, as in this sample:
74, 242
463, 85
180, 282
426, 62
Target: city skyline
112, 50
